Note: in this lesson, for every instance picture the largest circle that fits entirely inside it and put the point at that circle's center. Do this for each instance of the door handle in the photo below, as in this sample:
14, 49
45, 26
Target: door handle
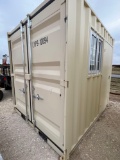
37, 97
22, 90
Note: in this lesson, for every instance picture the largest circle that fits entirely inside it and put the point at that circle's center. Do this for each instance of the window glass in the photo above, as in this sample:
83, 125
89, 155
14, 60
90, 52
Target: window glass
93, 53
99, 57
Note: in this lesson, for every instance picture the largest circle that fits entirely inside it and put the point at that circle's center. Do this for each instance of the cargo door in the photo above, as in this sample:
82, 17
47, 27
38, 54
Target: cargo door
47, 40
19, 62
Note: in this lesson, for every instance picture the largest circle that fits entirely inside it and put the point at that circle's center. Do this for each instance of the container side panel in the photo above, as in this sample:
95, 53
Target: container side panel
90, 90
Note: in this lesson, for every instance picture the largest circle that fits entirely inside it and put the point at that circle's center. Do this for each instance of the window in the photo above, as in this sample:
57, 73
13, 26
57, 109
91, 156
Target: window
95, 53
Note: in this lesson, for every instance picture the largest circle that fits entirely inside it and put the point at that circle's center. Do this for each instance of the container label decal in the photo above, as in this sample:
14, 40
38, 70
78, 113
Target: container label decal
39, 42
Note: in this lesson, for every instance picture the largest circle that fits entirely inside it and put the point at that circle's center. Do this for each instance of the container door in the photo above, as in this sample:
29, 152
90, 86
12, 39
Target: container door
47, 36
106, 75
19, 60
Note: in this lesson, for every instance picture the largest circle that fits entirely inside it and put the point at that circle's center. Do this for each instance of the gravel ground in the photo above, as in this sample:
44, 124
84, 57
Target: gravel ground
19, 141
102, 142
115, 98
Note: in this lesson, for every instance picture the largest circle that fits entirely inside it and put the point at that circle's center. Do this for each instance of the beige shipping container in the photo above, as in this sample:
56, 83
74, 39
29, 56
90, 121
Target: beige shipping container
61, 57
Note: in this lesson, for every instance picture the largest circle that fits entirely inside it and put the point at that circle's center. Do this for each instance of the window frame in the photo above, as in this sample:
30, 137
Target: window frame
98, 39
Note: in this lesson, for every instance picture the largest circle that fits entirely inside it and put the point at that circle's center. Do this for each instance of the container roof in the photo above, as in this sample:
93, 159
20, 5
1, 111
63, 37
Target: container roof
88, 5
41, 7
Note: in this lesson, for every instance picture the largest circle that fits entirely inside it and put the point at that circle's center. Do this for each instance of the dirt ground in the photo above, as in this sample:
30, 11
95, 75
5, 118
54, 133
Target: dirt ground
19, 141
115, 98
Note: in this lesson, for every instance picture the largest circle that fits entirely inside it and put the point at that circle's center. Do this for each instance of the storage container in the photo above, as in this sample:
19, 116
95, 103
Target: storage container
61, 57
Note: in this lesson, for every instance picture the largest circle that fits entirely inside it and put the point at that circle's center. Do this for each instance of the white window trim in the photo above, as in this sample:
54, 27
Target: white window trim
96, 71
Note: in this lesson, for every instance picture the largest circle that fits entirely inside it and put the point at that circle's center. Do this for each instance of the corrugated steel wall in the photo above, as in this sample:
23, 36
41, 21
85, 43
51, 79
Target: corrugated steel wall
90, 91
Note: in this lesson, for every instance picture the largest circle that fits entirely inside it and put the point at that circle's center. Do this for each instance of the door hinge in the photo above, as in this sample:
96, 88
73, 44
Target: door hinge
12, 74
65, 19
29, 23
64, 1
21, 27
64, 83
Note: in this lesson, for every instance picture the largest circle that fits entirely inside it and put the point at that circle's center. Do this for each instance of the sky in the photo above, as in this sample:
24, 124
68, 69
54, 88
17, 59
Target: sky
108, 11
12, 12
